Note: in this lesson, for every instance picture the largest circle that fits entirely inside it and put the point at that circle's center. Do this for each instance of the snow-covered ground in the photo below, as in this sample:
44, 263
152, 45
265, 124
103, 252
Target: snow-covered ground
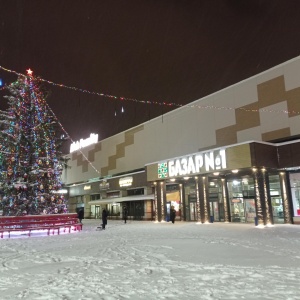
147, 260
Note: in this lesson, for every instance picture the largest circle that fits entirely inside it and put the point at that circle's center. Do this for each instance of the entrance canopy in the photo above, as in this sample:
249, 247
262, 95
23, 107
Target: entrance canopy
122, 199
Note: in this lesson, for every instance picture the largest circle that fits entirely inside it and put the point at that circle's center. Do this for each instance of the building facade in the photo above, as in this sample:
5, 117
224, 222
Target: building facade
247, 134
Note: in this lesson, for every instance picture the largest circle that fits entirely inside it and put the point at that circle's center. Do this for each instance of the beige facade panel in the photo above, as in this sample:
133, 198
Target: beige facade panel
250, 134
245, 93
295, 126
292, 74
274, 117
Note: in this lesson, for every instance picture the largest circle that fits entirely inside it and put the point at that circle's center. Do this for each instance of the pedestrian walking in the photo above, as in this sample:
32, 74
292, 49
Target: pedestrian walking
125, 214
173, 214
104, 218
80, 215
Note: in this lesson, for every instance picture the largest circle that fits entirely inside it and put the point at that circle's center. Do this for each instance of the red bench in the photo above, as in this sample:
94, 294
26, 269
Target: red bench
51, 223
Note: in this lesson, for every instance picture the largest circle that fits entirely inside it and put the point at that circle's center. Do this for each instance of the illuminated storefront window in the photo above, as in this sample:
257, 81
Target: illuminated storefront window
242, 199
276, 199
295, 190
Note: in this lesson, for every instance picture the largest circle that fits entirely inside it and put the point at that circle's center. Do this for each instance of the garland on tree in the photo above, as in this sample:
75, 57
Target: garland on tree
30, 165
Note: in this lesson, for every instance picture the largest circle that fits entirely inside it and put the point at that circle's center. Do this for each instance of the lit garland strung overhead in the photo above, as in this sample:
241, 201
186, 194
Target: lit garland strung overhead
161, 103
30, 73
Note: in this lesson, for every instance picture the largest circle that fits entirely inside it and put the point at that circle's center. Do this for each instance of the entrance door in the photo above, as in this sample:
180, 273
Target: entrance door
193, 211
277, 206
250, 211
97, 212
214, 210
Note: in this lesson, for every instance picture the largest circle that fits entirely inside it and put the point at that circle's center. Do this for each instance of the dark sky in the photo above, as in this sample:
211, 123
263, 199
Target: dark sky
156, 50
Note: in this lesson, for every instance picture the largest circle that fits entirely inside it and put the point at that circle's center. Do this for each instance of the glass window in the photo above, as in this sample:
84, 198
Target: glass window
276, 198
242, 199
95, 197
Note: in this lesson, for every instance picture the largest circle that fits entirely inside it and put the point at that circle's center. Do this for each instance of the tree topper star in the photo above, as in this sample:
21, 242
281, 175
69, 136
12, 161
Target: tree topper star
29, 72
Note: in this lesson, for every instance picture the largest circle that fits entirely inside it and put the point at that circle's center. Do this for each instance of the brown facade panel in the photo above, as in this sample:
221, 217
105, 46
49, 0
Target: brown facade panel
276, 135
74, 156
85, 166
293, 102
247, 117
226, 136
120, 149
104, 171
271, 92
138, 180
79, 160
91, 153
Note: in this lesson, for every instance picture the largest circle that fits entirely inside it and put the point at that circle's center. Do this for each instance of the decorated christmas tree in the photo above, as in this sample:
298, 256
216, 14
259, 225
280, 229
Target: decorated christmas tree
30, 166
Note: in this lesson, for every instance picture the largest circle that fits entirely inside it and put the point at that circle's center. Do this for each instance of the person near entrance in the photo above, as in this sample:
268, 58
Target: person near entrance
125, 214
104, 218
173, 214
80, 214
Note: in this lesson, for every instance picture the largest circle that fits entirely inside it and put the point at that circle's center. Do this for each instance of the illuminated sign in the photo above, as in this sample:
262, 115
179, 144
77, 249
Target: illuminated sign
93, 139
193, 164
62, 191
125, 181
104, 185
87, 187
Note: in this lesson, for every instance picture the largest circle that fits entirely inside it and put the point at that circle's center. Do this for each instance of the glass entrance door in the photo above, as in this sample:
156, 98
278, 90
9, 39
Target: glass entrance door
97, 212
276, 199
214, 211
250, 211
193, 211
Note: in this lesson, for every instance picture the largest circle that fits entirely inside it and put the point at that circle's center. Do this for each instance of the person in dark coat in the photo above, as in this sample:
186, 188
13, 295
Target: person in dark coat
104, 218
125, 214
173, 215
80, 215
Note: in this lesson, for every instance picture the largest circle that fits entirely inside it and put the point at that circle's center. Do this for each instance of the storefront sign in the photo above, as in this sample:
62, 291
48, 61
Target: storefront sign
125, 181
87, 187
104, 185
193, 164
62, 191
94, 179
236, 200
93, 139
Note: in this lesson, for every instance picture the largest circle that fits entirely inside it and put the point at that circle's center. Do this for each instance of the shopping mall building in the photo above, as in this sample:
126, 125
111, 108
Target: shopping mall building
233, 156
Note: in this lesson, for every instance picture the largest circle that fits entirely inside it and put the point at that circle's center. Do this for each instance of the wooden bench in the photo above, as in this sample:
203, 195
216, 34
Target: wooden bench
51, 223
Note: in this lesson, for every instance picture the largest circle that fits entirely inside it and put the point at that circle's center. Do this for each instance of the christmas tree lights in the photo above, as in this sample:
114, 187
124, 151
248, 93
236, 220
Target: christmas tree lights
30, 166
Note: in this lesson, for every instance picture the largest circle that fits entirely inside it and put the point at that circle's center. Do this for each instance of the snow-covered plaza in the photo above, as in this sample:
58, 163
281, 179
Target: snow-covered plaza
147, 260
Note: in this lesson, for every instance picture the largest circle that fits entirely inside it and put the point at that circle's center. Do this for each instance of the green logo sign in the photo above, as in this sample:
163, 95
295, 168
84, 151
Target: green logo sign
163, 170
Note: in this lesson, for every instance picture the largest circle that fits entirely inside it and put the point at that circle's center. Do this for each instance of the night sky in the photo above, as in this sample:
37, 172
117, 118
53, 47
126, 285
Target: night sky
153, 50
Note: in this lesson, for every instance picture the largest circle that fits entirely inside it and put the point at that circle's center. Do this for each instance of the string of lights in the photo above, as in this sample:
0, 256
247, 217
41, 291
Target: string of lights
68, 137
29, 73
161, 103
